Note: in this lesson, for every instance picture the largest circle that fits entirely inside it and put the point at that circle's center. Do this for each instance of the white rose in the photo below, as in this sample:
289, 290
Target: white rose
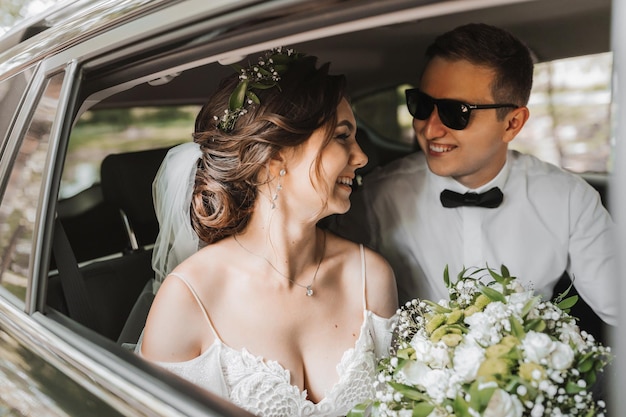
537, 346
414, 372
422, 348
561, 357
502, 404
433, 354
467, 360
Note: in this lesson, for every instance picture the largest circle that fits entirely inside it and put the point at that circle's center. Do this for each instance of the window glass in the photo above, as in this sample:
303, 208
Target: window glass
386, 114
19, 203
569, 123
102, 132
11, 92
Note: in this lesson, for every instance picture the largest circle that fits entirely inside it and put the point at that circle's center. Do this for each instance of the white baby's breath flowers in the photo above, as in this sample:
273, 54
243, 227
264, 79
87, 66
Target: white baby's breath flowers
491, 349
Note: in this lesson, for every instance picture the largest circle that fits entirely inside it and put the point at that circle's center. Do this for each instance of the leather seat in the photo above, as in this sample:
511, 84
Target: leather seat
114, 285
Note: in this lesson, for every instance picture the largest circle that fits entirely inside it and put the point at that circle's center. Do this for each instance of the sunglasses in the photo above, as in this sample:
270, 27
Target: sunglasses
452, 113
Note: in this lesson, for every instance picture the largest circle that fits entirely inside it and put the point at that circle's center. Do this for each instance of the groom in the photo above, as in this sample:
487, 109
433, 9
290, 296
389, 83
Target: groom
467, 200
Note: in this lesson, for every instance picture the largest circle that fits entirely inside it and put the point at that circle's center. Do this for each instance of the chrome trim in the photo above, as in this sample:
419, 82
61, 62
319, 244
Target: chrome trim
74, 364
43, 211
80, 26
75, 24
20, 125
117, 382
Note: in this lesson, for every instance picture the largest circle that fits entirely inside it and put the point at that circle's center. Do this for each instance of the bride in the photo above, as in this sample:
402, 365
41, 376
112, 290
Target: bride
272, 312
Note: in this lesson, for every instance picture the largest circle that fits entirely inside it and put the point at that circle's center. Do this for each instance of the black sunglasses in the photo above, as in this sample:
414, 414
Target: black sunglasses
453, 113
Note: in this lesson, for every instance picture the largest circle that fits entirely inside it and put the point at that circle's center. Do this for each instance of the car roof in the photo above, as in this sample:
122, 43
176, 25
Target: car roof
63, 25
392, 53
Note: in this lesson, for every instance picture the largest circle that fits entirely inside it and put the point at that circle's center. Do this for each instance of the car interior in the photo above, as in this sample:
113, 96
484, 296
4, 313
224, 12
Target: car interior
103, 281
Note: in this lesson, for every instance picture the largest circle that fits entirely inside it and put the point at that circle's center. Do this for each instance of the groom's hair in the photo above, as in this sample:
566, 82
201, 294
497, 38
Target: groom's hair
494, 48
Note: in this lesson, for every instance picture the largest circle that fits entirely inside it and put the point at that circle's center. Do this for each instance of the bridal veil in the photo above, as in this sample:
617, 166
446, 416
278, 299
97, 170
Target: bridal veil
172, 190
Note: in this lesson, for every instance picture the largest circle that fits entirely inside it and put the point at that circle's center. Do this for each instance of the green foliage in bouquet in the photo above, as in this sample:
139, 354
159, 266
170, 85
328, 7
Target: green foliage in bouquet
492, 349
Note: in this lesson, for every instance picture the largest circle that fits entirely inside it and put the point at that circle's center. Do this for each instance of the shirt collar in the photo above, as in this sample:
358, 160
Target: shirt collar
443, 183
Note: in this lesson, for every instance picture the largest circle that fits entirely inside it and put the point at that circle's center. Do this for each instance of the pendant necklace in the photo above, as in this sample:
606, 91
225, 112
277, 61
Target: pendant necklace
308, 288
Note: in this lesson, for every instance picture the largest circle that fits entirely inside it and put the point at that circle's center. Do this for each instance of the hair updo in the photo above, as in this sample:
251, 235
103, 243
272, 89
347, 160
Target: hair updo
227, 179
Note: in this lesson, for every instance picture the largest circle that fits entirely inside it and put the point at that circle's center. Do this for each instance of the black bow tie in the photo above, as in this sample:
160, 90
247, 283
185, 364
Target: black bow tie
488, 199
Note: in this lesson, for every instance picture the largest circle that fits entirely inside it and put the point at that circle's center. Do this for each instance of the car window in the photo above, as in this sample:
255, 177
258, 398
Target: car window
99, 133
569, 123
569, 106
385, 113
19, 203
11, 92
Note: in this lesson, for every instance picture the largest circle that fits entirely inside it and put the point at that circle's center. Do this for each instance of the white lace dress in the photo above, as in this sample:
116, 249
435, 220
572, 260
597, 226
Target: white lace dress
263, 387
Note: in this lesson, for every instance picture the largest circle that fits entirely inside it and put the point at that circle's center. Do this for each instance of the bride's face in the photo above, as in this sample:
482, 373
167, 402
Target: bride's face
326, 190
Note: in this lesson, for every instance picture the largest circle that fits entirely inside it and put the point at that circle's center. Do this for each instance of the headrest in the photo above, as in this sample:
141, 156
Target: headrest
127, 184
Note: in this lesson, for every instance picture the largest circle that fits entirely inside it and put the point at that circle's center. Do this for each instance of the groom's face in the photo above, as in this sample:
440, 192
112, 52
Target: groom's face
474, 155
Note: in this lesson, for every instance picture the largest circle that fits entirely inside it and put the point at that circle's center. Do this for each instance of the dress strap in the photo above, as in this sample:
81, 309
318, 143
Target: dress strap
195, 295
363, 276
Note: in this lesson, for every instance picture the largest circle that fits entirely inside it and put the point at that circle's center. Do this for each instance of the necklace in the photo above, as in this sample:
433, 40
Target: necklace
308, 288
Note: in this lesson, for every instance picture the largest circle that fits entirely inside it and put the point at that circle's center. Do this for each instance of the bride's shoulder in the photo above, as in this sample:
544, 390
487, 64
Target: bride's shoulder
205, 268
350, 252
380, 281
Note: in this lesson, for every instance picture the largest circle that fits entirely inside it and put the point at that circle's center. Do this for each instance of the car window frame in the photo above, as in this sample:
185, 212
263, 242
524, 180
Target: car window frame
20, 125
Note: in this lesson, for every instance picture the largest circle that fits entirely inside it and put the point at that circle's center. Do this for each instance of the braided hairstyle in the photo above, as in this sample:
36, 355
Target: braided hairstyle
230, 171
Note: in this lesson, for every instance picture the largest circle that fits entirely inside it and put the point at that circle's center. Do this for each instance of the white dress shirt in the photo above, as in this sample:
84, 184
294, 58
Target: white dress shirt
550, 221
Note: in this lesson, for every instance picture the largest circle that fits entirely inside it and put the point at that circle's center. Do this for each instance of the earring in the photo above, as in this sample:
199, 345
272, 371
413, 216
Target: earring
278, 187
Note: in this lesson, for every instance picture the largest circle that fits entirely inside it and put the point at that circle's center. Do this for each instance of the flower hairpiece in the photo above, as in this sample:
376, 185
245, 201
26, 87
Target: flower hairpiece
264, 74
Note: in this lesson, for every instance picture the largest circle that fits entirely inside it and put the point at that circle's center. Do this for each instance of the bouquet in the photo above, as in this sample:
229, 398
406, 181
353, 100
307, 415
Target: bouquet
492, 349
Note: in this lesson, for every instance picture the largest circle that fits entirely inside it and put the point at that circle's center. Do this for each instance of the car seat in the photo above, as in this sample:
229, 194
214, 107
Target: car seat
112, 286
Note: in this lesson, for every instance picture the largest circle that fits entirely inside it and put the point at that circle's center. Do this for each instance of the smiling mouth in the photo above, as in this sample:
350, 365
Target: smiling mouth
345, 181
437, 148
